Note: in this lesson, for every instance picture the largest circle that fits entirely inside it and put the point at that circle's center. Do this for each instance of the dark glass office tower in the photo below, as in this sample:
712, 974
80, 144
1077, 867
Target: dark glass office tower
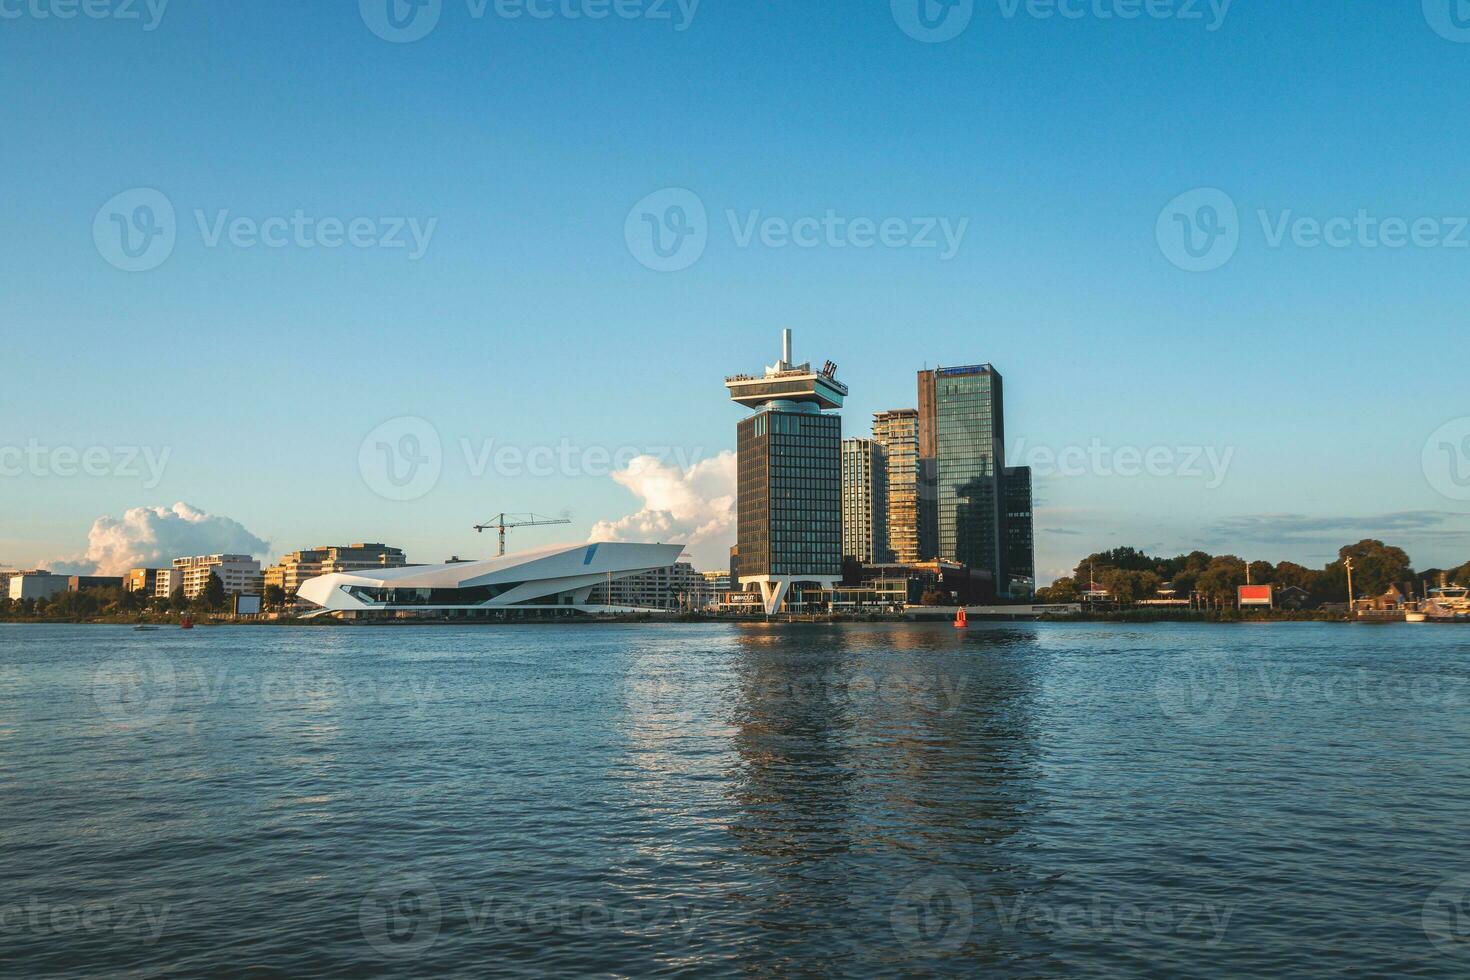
1020, 535
789, 478
962, 422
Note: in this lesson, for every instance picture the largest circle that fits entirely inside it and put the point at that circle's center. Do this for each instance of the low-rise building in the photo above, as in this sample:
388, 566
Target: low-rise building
678, 586
716, 584
239, 573
145, 580
76, 583
37, 584
298, 566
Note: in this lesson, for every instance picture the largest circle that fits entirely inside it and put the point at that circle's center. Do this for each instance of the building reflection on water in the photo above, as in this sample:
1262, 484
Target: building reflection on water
866, 758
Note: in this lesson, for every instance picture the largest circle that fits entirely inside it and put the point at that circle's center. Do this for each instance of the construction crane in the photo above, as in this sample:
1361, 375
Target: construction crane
503, 521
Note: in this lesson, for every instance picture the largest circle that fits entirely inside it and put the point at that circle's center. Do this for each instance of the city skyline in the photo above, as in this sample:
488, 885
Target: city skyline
1282, 380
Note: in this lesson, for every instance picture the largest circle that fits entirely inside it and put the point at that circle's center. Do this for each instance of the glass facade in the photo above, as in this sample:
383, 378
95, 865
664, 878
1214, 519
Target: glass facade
1020, 541
969, 437
789, 494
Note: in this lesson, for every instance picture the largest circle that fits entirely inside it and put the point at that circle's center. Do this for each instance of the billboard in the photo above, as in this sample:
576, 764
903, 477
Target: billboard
1255, 595
247, 605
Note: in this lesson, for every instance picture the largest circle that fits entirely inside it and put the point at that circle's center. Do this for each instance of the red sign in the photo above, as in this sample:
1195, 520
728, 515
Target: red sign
1255, 595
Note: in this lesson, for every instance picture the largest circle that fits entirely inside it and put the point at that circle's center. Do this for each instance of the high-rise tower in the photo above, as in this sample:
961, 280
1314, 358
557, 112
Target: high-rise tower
789, 477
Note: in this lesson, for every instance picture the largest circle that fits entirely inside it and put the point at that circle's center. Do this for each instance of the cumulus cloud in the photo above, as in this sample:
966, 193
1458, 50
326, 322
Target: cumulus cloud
693, 507
155, 536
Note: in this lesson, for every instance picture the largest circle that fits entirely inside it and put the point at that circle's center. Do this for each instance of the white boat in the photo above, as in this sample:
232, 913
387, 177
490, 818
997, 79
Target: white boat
1447, 604
1415, 617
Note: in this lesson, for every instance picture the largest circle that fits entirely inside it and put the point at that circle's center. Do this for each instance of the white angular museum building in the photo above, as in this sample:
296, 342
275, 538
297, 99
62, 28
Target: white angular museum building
546, 581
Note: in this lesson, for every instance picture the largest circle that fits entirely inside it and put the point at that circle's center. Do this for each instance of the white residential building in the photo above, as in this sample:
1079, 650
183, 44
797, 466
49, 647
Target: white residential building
38, 584
239, 573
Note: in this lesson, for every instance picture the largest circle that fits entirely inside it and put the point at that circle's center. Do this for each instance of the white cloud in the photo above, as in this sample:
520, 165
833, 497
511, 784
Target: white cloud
155, 536
694, 507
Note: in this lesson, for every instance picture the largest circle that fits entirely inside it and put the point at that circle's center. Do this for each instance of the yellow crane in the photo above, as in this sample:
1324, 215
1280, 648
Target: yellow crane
503, 521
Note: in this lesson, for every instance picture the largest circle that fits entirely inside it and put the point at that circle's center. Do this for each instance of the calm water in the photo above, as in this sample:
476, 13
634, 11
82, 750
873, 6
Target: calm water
1026, 800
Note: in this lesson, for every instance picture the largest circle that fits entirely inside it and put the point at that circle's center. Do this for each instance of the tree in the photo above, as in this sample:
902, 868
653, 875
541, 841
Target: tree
1129, 586
275, 596
1262, 573
213, 596
1062, 590
1376, 566
1219, 581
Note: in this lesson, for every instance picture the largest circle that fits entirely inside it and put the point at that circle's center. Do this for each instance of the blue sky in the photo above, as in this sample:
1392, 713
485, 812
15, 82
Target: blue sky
1328, 377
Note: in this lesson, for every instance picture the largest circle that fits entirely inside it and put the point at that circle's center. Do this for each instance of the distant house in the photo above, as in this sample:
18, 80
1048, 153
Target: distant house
1292, 597
1165, 595
1392, 599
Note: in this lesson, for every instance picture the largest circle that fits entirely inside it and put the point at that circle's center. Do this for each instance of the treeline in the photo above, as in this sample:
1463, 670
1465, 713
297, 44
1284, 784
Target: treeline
111, 602
1130, 575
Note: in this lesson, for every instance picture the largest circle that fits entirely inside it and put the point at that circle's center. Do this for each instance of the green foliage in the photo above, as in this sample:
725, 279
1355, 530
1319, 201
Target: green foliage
1062, 590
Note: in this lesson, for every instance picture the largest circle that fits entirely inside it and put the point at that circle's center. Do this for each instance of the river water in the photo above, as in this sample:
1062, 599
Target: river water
1024, 800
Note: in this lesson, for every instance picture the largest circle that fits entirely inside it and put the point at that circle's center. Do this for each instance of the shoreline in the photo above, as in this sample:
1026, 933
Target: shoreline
1130, 618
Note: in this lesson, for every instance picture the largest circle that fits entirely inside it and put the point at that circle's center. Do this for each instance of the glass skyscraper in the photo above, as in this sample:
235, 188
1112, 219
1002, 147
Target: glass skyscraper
962, 423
